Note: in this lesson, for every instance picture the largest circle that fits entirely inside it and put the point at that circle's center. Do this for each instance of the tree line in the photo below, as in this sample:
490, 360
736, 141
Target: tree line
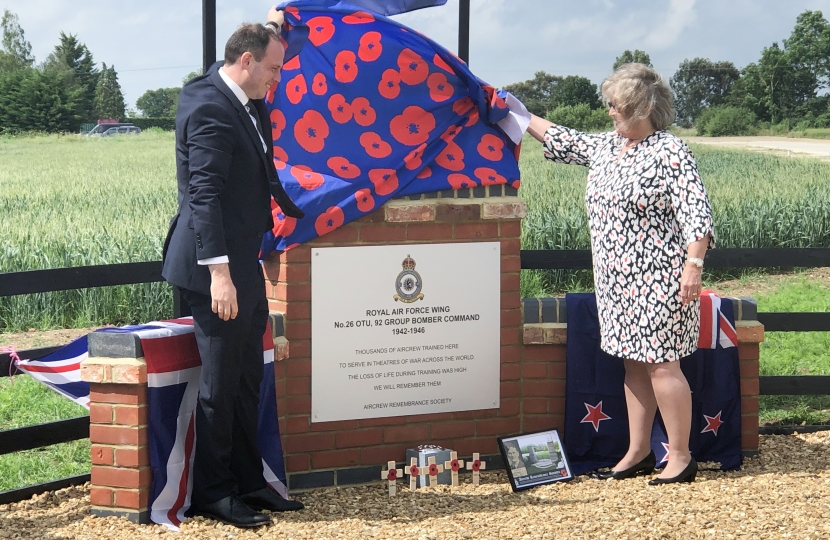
66, 90
785, 89
58, 95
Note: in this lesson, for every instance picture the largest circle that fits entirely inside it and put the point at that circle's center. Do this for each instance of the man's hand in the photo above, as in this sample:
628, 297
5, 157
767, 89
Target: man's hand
222, 292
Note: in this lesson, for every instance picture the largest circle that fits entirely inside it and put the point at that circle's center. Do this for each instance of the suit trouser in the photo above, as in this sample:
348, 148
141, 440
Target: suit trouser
227, 459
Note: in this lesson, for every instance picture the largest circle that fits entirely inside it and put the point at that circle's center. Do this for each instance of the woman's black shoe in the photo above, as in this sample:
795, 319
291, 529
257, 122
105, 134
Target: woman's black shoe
644, 467
687, 475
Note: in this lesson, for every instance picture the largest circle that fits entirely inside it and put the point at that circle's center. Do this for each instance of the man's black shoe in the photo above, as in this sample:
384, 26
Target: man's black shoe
267, 499
233, 511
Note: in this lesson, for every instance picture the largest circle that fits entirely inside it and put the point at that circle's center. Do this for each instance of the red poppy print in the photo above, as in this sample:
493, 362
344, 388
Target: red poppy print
307, 178
296, 88
277, 123
390, 84
280, 158
460, 181
413, 126
370, 47
365, 201
414, 69
292, 64
450, 133
516, 184
440, 88
294, 11
319, 85
364, 114
461, 106
438, 61
340, 110
452, 157
358, 17
489, 177
343, 168
472, 117
329, 220
320, 30
283, 225
413, 159
374, 145
345, 68
385, 180
311, 131
426, 172
269, 95
490, 147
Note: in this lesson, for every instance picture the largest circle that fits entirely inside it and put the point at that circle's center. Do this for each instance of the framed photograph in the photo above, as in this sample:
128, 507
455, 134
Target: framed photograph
533, 459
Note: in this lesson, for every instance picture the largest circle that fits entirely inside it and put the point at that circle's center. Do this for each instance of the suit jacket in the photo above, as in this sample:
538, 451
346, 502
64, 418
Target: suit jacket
224, 184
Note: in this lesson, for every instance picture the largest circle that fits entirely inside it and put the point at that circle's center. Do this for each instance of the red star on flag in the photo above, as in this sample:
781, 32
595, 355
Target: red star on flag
713, 423
666, 456
595, 415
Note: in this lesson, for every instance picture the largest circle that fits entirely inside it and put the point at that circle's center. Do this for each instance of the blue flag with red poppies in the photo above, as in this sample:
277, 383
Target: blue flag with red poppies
596, 418
370, 110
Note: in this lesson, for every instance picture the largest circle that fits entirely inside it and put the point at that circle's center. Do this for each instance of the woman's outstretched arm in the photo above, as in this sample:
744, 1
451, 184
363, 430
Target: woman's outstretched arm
538, 126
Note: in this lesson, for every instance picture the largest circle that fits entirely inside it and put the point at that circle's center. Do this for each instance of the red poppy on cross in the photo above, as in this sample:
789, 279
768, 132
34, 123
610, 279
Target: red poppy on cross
433, 471
414, 472
391, 475
453, 465
476, 465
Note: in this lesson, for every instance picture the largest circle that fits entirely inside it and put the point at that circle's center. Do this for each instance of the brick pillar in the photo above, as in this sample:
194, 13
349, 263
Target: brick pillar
544, 341
117, 377
319, 453
750, 336
543, 365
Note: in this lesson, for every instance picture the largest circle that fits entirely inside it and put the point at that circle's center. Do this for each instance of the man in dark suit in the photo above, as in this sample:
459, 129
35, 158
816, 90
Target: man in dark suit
226, 174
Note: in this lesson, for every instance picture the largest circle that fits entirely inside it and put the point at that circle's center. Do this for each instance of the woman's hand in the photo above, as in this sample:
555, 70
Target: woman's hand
690, 283
276, 16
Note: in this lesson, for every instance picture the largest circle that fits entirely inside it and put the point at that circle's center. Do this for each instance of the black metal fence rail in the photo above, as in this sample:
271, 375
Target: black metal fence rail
61, 279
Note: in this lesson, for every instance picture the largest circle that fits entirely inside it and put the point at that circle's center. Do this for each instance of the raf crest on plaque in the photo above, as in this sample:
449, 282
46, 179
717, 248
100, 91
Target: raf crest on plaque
408, 283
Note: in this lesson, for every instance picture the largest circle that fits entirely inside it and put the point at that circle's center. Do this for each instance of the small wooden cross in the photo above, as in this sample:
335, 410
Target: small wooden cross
414, 472
453, 465
433, 471
476, 465
391, 475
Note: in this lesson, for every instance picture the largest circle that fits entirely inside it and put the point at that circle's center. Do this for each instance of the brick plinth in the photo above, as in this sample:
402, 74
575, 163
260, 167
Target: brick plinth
314, 451
118, 429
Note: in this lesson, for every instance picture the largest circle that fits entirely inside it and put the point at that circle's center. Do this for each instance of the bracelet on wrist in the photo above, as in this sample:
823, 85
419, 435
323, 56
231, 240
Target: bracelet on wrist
695, 261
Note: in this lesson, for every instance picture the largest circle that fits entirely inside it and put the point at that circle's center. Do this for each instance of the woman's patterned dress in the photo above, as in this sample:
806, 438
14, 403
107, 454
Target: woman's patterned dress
643, 210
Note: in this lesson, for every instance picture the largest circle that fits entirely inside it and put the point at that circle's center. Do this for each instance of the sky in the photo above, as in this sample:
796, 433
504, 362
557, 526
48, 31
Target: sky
155, 43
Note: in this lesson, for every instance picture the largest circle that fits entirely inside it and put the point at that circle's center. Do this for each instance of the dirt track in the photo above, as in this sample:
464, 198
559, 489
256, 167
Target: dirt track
775, 145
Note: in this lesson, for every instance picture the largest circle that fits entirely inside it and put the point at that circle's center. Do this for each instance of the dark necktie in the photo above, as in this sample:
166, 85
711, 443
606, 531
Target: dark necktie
256, 125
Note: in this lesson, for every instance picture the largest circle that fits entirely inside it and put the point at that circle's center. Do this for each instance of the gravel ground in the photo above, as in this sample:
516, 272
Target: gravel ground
783, 493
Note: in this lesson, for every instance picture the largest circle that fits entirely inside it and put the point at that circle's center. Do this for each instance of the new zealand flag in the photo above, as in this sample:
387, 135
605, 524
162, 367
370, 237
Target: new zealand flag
369, 110
596, 418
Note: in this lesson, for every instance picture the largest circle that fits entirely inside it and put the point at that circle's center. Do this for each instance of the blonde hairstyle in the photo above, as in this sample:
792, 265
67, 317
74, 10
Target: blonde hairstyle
638, 93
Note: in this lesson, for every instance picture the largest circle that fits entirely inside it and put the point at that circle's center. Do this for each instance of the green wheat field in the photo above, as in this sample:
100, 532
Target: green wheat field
73, 201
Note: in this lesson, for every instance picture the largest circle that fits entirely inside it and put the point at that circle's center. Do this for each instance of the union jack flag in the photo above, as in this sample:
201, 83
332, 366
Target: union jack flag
173, 367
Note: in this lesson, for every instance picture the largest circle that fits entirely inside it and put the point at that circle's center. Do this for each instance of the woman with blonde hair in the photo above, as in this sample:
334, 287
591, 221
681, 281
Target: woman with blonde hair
651, 225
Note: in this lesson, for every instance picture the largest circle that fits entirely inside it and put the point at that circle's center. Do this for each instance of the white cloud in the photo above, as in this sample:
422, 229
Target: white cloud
680, 15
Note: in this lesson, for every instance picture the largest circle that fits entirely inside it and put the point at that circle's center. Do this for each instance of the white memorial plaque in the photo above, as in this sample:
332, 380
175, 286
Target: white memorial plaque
407, 329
